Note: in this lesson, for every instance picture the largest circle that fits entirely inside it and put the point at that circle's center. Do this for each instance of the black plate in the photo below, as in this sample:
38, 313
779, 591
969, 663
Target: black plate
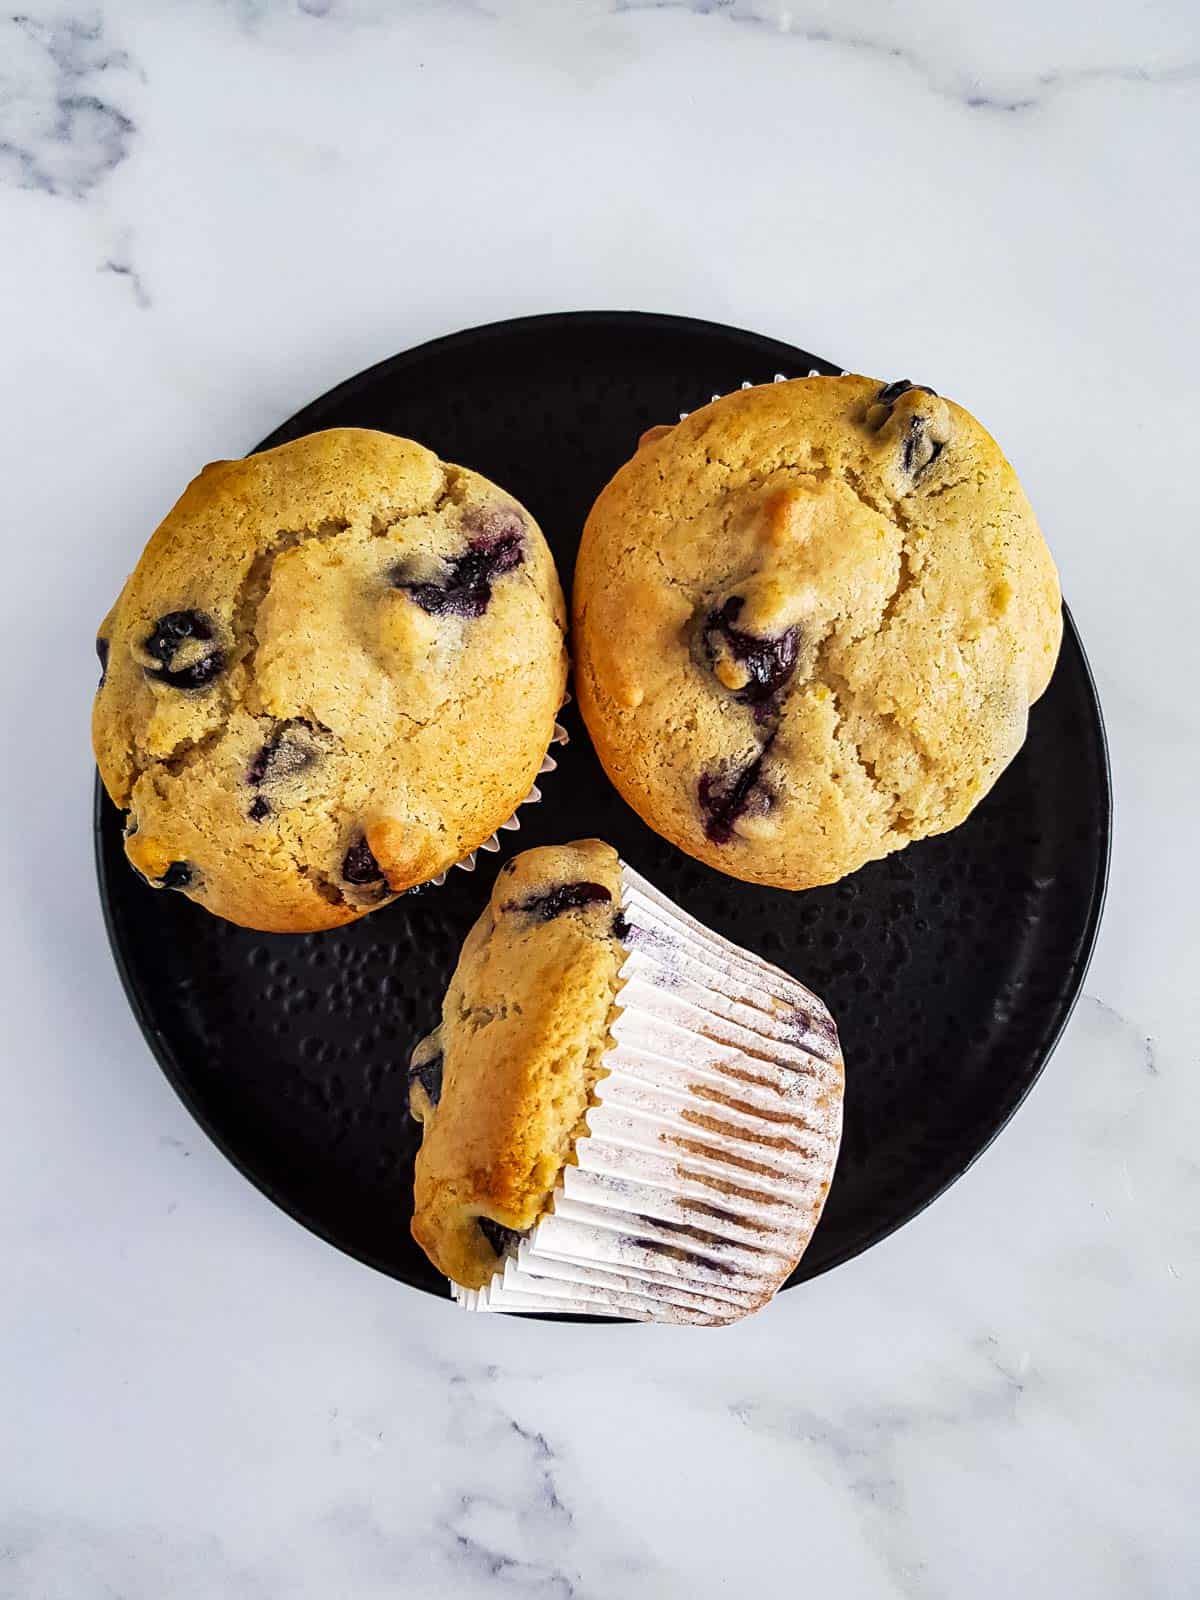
951, 967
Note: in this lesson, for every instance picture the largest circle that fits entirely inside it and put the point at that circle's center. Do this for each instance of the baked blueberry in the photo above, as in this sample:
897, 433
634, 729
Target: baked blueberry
891, 392
177, 876
567, 897
428, 1074
502, 1239
465, 589
754, 669
259, 809
920, 448
184, 670
726, 796
102, 654
287, 752
359, 866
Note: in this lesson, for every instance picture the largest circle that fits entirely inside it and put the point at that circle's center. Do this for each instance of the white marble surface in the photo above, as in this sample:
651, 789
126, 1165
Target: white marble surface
208, 214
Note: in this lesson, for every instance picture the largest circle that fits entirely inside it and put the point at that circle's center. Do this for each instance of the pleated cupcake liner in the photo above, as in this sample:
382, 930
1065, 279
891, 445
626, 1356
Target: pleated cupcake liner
711, 1144
777, 377
511, 824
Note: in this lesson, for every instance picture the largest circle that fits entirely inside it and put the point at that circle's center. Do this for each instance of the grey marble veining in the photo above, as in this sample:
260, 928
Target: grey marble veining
212, 213
120, 263
61, 128
826, 26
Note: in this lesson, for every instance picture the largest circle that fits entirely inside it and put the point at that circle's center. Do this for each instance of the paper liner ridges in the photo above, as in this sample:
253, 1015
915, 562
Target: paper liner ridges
711, 1145
513, 823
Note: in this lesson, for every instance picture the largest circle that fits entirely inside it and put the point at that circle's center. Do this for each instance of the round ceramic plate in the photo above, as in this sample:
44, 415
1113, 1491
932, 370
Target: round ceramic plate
951, 967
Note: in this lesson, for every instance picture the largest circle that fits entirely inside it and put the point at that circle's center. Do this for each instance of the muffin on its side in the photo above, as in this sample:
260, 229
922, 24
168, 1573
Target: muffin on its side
332, 675
810, 621
622, 1112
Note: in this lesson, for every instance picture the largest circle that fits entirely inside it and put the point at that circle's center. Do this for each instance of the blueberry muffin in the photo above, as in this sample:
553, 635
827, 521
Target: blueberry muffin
333, 673
621, 1112
810, 621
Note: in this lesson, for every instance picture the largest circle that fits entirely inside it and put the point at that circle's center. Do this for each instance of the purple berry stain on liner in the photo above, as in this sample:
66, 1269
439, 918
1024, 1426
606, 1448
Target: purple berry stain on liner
816, 1032
466, 588
567, 897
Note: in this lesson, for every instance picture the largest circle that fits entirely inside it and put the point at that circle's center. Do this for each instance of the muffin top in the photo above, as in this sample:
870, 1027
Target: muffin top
333, 673
810, 620
502, 1086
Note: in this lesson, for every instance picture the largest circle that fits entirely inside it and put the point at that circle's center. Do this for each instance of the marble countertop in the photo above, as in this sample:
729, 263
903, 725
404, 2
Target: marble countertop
212, 213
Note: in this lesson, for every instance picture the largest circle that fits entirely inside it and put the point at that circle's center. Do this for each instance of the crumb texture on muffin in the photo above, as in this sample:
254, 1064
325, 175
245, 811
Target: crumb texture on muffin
810, 621
503, 1085
623, 1112
333, 673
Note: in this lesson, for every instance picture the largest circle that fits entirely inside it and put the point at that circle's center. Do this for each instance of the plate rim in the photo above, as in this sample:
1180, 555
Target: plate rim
160, 1048
543, 319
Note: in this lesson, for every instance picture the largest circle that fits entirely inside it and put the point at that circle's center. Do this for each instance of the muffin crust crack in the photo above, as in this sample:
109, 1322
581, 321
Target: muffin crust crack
188, 752
254, 589
334, 672
848, 566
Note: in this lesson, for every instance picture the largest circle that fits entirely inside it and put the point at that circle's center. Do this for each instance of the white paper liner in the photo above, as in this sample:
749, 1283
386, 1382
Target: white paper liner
513, 823
711, 1146
778, 377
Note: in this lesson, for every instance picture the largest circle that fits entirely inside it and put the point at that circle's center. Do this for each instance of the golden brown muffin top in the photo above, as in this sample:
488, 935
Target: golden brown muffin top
809, 622
333, 673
